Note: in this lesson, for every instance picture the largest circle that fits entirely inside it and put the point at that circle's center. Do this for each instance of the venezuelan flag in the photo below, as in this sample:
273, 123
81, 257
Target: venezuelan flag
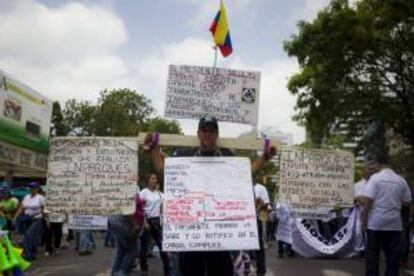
220, 30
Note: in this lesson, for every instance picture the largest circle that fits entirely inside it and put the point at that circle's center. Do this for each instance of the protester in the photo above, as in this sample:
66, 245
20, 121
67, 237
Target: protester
46, 240
262, 202
8, 207
152, 199
204, 263
384, 195
271, 223
123, 227
31, 210
55, 221
284, 230
368, 169
125, 230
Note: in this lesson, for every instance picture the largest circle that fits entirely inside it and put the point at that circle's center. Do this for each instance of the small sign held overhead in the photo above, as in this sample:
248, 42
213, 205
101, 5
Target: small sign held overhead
227, 94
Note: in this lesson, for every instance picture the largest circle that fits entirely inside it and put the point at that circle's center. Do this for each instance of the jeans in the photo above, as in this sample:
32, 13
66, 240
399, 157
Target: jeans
260, 254
155, 232
126, 247
57, 233
109, 238
387, 240
84, 241
405, 244
175, 264
53, 236
32, 238
22, 224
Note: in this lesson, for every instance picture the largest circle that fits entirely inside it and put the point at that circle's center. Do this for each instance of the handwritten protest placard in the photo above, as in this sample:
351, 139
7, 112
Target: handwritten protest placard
229, 95
92, 176
311, 179
86, 222
208, 204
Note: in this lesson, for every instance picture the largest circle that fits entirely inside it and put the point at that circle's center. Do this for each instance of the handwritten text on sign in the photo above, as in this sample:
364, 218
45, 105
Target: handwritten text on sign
92, 176
209, 204
312, 178
84, 222
229, 95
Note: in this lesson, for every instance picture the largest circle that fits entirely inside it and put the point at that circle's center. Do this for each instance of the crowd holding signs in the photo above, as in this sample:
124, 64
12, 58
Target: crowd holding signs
208, 200
207, 212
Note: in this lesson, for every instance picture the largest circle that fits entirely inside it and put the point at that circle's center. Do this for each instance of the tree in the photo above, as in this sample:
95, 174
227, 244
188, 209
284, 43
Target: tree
122, 112
161, 125
79, 117
119, 112
59, 127
356, 67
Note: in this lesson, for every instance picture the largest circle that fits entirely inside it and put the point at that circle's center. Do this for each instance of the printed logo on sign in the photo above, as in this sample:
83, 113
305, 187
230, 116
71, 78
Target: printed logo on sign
248, 95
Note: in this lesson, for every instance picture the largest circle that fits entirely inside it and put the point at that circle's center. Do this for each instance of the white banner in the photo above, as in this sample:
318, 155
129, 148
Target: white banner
312, 180
227, 94
309, 243
209, 204
92, 176
85, 222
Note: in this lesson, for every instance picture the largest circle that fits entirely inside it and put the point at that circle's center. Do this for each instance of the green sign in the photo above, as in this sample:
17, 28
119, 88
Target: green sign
25, 115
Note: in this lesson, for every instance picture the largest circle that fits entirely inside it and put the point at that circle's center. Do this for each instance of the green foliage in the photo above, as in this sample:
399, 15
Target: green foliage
357, 66
79, 117
122, 112
162, 125
59, 127
118, 112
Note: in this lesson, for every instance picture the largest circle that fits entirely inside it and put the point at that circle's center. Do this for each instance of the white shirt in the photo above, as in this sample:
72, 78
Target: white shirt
359, 187
33, 205
389, 191
260, 191
153, 199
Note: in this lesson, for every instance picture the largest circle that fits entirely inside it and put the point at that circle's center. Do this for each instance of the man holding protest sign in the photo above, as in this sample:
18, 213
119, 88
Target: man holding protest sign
205, 263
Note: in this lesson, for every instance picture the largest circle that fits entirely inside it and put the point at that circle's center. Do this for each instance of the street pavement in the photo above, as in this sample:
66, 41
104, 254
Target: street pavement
69, 263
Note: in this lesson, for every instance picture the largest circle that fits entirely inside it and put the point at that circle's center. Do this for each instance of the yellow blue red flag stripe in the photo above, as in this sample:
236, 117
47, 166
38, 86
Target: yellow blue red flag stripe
220, 30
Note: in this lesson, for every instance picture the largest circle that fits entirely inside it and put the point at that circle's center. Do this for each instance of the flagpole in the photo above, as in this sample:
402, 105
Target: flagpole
215, 56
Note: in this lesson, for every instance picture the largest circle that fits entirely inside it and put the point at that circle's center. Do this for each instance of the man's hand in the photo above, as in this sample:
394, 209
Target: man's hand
268, 150
151, 141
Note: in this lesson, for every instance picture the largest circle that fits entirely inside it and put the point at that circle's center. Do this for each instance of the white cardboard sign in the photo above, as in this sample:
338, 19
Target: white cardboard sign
92, 176
85, 222
311, 179
209, 204
227, 94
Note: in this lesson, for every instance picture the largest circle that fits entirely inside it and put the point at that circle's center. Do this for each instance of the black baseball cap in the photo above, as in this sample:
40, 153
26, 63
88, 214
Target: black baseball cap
206, 121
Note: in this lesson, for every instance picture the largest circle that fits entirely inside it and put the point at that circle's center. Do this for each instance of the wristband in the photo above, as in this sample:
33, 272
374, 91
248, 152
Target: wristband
155, 140
266, 149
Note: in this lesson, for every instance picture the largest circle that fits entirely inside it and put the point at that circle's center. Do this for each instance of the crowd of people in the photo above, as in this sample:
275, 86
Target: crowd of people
382, 198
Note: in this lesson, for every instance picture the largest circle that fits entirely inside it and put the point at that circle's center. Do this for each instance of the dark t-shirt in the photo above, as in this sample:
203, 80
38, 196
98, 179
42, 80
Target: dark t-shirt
214, 262
198, 152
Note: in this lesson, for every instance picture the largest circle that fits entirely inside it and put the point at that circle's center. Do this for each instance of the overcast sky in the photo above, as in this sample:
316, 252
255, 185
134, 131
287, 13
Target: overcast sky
74, 49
